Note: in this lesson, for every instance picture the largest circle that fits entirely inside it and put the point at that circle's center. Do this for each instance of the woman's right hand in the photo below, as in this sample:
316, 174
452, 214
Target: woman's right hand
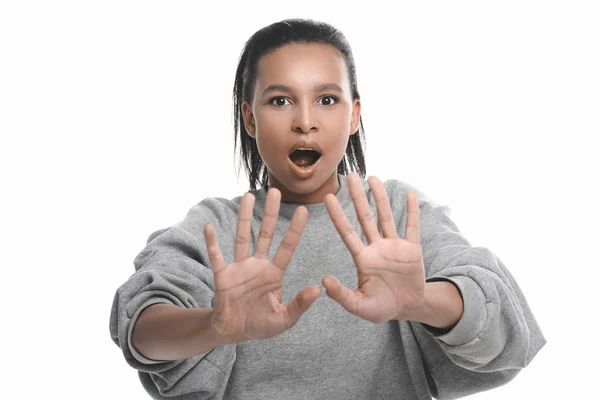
248, 292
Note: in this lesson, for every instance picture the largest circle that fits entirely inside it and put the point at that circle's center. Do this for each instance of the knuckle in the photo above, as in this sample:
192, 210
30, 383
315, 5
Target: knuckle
367, 216
269, 213
286, 244
386, 217
347, 231
213, 255
293, 231
267, 234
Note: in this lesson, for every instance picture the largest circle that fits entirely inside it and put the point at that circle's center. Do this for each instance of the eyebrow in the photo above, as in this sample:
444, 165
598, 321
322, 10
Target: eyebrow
318, 88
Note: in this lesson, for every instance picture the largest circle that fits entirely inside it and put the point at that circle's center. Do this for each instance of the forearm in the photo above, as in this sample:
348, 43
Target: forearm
442, 308
168, 332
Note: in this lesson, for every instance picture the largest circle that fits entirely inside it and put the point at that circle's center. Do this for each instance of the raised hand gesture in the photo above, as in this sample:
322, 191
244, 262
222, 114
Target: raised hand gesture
391, 274
248, 292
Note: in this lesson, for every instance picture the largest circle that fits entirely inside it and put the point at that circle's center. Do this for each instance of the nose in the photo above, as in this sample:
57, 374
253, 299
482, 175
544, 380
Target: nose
304, 120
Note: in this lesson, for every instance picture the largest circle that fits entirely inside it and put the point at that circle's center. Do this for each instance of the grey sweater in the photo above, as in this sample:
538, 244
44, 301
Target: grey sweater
330, 353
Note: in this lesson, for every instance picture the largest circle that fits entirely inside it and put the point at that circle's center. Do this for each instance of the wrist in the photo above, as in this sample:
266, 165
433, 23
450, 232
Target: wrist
442, 306
218, 336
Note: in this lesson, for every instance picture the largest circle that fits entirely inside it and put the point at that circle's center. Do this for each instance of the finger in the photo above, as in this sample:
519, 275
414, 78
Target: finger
301, 303
412, 219
242, 235
268, 224
292, 237
346, 231
340, 293
362, 208
384, 209
215, 256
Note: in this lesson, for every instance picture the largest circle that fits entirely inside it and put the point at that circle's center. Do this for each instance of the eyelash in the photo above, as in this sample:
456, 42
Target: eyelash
336, 100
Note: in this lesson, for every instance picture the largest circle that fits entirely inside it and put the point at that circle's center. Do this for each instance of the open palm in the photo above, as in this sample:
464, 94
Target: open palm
391, 274
248, 292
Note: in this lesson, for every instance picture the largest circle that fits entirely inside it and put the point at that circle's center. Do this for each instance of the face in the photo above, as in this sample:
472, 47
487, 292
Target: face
302, 97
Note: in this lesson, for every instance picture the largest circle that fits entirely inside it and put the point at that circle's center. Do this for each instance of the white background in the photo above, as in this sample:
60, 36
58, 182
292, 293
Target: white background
116, 118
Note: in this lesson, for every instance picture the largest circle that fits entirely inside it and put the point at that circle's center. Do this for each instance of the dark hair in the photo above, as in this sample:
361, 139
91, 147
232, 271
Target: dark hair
269, 39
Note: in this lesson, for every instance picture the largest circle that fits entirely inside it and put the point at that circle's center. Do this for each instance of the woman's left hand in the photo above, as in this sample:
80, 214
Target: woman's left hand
391, 274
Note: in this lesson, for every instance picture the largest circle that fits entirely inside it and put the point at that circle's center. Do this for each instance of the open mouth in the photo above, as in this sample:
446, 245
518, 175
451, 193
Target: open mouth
304, 158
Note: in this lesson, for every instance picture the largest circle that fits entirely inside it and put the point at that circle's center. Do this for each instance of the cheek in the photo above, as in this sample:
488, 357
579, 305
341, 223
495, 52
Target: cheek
340, 123
340, 118
342, 143
269, 125
268, 129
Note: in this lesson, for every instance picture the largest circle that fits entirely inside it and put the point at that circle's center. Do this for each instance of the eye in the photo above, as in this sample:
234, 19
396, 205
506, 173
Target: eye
279, 101
330, 98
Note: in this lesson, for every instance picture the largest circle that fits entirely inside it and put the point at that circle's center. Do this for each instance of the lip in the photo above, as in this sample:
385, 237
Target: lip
308, 144
304, 173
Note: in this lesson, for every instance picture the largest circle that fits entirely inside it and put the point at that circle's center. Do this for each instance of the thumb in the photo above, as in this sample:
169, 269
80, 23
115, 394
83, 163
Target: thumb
217, 263
340, 293
301, 303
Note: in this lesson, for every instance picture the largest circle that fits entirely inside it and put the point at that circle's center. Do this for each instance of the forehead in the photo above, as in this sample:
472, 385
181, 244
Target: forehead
302, 64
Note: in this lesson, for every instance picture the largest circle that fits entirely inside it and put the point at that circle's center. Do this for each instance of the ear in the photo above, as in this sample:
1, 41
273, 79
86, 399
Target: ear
248, 118
355, 122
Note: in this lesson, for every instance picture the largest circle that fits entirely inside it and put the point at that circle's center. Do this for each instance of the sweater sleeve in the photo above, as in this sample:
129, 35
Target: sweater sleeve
497, 335
170, 269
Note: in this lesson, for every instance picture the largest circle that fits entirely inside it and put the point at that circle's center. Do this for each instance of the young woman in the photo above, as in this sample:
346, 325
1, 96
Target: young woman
226, 304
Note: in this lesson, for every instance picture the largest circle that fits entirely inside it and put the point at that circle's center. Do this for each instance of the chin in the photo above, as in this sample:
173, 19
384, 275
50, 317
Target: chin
309, 185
